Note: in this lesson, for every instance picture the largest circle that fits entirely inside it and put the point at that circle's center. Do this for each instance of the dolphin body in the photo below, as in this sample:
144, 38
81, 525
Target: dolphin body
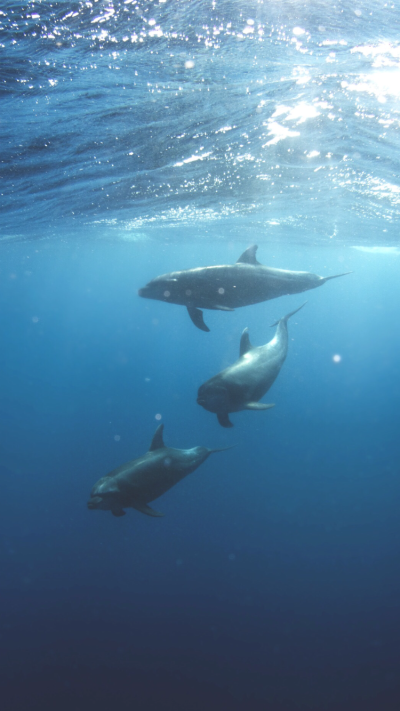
141, 480
241, 385
228, 286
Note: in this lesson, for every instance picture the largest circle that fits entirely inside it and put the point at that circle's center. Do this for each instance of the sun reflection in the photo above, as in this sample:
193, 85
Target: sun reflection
380, 84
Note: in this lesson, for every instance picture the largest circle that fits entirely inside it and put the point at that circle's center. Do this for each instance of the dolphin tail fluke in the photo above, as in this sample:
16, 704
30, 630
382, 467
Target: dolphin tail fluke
223, 419
197, 317
286, 318
335, 276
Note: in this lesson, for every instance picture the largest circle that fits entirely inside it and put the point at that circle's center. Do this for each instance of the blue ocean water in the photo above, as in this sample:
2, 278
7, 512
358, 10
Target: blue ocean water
139, 138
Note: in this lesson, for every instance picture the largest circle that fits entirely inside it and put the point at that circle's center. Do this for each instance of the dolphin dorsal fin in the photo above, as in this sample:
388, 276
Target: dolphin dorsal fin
245, 345
249, 256
157, 442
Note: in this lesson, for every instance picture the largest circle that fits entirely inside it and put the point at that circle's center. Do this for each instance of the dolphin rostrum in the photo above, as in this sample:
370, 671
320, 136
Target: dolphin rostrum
228, 286
241, 385
141, 480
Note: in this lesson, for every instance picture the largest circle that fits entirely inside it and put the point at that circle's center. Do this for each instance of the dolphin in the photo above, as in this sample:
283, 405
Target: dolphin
241, 385
141, 480
228, 286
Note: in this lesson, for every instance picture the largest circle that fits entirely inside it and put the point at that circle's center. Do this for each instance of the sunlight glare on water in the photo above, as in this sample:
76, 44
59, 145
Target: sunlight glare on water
148, 117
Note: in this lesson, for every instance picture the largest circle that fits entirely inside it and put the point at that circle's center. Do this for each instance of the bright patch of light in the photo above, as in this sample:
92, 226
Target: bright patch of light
379, 84
245, 156
108, 12
303, 79
299, 113
302, 112
383, 48
336, 358
192, 159
224, 129
298, 31
282, 109
279, 133
383, 54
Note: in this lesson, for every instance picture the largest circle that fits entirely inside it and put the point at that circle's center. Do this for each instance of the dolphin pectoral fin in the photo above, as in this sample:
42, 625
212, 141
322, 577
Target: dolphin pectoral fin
258, 406
197, 317
157, 442
223, 419
118, 511
249, 256
143, 508
245, 345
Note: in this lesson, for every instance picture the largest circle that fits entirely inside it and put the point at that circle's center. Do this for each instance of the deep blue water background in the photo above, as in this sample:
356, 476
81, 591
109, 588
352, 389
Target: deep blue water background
274, 573
139, 138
